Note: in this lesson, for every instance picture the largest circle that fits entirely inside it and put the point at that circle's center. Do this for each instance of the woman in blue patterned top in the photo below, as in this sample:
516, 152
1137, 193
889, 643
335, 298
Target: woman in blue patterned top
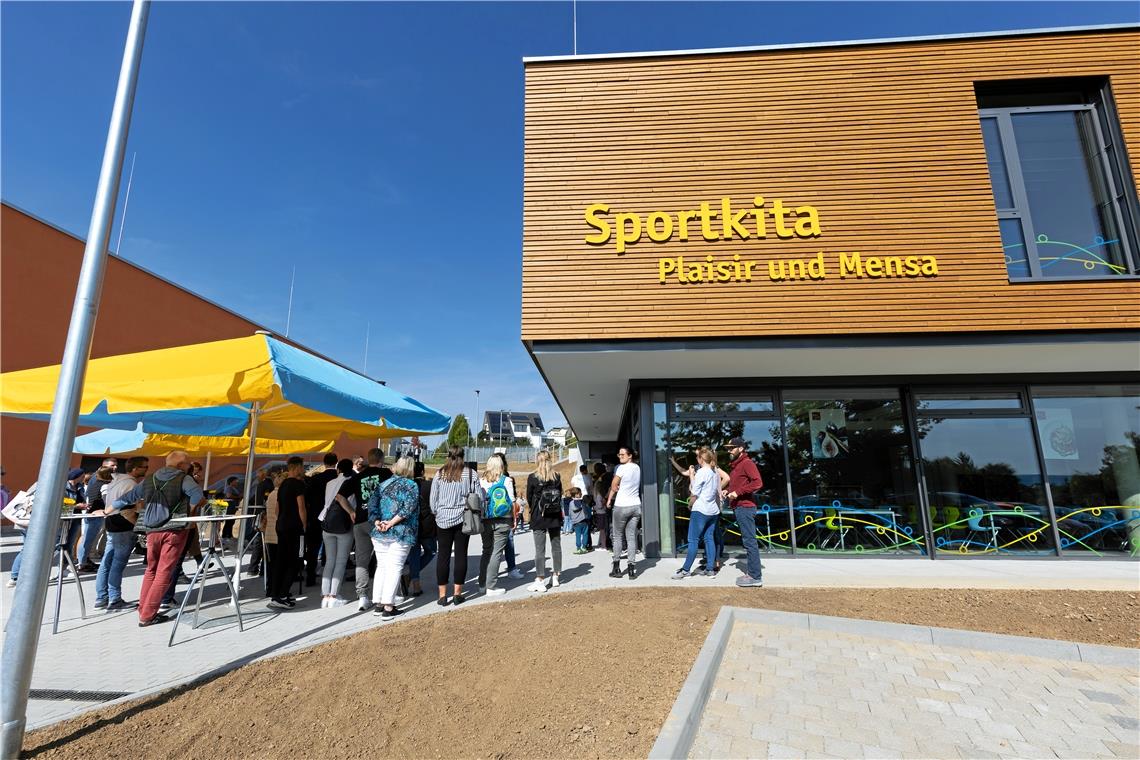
394, 511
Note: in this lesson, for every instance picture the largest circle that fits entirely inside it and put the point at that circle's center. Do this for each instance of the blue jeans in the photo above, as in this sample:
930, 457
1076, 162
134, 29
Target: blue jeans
581, 534
109, 579
746, 519
72, 533
701, 528
91, 528
16, 562
422, 552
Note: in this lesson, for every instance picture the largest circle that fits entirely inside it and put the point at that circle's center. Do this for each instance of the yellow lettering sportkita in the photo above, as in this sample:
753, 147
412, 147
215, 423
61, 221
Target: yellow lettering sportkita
710, 221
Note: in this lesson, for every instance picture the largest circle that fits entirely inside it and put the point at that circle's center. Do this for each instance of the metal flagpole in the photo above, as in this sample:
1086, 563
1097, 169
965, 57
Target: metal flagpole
575, 24
289, 312
367, 335
31, 592
476, 420
126, 202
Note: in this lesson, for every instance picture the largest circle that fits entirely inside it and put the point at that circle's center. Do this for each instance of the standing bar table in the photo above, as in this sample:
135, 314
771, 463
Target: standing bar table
214, 556
65, 560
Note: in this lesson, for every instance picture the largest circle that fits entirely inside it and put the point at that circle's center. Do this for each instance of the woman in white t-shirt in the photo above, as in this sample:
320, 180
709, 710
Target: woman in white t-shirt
625, 502
704, 488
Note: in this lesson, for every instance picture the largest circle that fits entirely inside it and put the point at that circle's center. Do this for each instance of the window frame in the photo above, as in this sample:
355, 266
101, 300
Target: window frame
1003, 116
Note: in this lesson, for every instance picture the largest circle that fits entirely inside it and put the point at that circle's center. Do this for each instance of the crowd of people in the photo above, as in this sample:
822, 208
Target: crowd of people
384, 525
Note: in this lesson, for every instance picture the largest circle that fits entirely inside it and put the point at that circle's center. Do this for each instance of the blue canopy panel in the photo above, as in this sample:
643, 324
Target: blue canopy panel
315, 383
102, 441
214, 420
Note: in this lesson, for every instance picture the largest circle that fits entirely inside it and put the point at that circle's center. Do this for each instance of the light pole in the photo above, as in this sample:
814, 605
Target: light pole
476, 420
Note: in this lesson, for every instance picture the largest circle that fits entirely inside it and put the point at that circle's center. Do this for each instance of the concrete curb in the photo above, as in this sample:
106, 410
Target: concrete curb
680, 728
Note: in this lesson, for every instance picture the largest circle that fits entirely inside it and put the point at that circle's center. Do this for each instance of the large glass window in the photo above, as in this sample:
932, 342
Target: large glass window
711, 421
983, 482
1058, 183
853, 487
1089, 438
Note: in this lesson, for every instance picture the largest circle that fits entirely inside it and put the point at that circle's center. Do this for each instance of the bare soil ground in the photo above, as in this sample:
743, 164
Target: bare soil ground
590, 674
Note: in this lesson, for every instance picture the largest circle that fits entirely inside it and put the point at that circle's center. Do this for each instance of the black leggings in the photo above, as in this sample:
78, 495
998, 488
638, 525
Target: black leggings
448, 537
288, 561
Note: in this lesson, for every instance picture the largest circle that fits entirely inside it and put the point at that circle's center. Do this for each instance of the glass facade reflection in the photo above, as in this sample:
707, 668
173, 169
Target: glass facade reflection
853, 487
1089, 439
910, 471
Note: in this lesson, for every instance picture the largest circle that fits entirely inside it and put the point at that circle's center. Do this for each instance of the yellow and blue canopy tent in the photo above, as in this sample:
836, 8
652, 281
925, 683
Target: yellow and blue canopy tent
245, 389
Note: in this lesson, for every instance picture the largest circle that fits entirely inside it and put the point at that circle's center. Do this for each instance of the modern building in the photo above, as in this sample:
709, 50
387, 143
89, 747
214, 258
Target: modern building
514, 428
906, 271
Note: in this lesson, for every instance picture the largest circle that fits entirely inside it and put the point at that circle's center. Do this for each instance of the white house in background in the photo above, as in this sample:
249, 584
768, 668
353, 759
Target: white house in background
520, 428
559, 435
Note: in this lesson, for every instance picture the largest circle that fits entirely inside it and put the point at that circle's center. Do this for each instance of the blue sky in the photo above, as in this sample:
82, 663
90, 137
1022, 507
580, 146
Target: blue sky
375, 146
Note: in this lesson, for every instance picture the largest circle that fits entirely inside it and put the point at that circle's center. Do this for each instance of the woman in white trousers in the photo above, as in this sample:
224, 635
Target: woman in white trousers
394, 511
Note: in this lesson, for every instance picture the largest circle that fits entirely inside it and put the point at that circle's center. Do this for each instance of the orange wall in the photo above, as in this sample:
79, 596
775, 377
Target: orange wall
884, 140
39, 271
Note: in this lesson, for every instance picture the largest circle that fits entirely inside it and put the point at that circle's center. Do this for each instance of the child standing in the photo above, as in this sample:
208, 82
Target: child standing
578, 519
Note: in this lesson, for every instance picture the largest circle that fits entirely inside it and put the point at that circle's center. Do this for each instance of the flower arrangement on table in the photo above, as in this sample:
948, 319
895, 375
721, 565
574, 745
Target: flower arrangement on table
217, 506
68, 506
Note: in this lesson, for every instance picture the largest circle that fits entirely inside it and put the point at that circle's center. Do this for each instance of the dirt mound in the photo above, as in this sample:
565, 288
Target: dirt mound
564, 675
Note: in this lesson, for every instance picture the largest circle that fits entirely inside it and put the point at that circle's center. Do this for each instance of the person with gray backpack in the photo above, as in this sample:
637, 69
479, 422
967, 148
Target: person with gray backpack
166, 495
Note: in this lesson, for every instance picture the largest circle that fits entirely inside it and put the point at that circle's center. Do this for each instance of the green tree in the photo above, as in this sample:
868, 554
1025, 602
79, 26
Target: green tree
460, 433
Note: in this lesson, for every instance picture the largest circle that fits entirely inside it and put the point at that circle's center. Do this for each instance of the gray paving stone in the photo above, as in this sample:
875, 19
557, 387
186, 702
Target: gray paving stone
999, 704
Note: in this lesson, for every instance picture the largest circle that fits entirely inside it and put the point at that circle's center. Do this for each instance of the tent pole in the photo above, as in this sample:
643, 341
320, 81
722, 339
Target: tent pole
206, 474
250, 490
31, 593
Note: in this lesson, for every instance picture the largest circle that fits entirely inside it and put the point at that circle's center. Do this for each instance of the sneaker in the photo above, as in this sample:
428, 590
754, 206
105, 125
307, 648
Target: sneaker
442, 601
121, 604
279, 604
399, 599
100, 604
365, 604
497, 591
538, 587
338, 602
747, 581
554, 580
325, 602
516, 573
159, 618
165, 607
458, 599
11, 583
682, 573
379, 611
387, 615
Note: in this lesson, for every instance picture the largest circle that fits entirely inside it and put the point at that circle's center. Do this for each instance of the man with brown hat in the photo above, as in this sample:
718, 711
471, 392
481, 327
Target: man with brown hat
744, 480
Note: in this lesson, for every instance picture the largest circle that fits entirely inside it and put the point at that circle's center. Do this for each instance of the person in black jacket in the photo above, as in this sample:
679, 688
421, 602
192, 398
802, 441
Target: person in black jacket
544, 495
425, 547
314, 503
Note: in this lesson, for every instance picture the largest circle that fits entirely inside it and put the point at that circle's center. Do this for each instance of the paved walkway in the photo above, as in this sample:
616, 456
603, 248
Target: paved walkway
791, 692
109, 653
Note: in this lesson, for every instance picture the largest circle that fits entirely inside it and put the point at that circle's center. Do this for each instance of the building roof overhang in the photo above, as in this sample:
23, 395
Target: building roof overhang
590, 380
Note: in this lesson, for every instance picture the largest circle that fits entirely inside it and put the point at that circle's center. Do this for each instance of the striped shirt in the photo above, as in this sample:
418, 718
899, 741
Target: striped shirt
449, 498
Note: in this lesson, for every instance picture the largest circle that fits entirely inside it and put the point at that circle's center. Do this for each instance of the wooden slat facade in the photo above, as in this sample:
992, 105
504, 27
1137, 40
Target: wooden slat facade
884, 140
